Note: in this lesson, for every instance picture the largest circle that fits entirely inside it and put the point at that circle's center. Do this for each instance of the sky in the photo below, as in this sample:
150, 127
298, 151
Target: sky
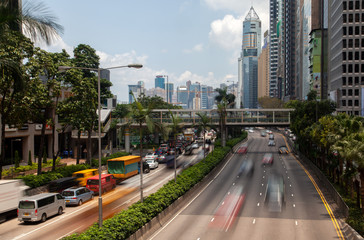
197, 40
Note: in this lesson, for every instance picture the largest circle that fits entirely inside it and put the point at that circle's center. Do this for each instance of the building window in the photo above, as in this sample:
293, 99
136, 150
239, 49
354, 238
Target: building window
356, 55
350, 44
356, 102
344, 43
362, 68
343, 92
344, 68
344, 31
357, 5
362, 27
343, 103
356, 92
344, 56
362, 55
350, 69
350, 31
350, 56
350, 92
345, 6
357, 43
356, 68
357, 30
344, 18
350, 81
350, 103
357, 17
356, 80
351, 5
344, 80
362, 42
351, 18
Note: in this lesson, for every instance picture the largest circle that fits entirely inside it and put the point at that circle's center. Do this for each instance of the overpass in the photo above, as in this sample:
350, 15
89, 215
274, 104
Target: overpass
234, 117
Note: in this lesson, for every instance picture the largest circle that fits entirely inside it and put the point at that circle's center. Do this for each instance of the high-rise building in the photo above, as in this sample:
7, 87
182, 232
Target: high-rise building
289, 36
159, 81
204, 97
170, 90
274, 21
182, 97
194, 92
346, 55
137, 90
248, 78
263, 69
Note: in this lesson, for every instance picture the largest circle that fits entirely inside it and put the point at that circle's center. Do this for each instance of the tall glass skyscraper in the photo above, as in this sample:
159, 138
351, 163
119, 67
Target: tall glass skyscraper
248, 62
159, 81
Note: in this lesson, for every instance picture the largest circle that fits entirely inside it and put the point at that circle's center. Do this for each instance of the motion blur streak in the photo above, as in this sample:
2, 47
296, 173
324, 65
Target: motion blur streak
229, 208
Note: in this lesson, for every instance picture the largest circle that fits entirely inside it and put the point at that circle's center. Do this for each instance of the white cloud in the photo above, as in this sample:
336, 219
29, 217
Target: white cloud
196, 48
56, 46
227, 32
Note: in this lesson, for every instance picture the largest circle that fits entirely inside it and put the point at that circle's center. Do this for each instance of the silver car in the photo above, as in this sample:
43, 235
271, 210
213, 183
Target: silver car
77, 195
152, 163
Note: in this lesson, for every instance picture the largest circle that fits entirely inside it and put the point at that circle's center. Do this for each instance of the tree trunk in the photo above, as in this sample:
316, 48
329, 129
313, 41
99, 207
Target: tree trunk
141, 163
2, 141
88, 146
78, 147
361, 171
41, 145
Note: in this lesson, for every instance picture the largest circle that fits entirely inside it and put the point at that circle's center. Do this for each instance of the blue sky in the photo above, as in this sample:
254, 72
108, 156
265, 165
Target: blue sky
197, 40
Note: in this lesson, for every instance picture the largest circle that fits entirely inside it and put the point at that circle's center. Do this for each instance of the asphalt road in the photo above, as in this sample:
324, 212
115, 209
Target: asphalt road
79, 218
233, 207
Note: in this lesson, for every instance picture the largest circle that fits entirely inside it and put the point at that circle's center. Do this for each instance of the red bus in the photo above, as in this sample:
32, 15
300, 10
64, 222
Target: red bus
108, 182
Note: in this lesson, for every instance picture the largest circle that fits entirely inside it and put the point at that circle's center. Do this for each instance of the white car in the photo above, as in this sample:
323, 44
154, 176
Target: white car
152, 163
151, 156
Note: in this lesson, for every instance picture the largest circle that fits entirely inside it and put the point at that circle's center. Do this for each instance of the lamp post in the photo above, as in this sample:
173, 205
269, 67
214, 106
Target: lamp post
64, 68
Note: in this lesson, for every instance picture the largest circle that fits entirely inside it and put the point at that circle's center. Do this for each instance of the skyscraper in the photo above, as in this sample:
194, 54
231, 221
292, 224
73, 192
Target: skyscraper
346, 55
170, 90
182, 96
195, 91
159, 81
248, 61
263, 67
204, 98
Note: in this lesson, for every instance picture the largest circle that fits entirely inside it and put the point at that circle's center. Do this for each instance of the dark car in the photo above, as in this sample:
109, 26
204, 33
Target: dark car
283, 150
61, 184
146, 168
188, 150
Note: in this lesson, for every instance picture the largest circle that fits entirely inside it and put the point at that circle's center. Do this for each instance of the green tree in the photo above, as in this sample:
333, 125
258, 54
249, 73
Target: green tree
141, 115
204, 123
14, 48
176, 128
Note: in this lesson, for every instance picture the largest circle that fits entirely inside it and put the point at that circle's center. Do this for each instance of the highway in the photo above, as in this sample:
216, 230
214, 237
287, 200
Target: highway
79, 218
232, 205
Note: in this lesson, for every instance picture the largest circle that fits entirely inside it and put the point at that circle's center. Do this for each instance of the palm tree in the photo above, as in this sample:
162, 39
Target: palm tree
141, 115
205, 124
175, 128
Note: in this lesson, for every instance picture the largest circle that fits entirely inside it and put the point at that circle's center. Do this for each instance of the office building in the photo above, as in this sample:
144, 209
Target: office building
263, 69
346, 55
204, 97
248, 61
169, 92
159, 81
182, 97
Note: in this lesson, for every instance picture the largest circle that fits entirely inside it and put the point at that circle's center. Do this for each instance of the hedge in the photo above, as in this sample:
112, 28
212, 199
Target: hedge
128, 221
34, 181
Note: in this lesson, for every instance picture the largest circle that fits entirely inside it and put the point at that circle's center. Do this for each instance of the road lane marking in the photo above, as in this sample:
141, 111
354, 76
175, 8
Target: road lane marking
323, 199
69, 233
296, 223
254, 221
258, 205
294, 205
212, 219
260, 194
178, 213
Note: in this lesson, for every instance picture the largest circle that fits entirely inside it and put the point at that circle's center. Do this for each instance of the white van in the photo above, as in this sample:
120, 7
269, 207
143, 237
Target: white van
41, 206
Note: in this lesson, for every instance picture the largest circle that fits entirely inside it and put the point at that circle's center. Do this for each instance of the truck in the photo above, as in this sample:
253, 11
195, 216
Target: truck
123, 167
189, 135
10, 193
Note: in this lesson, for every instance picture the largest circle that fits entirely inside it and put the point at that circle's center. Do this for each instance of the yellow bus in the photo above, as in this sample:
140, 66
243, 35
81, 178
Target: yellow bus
123, 167
84, 174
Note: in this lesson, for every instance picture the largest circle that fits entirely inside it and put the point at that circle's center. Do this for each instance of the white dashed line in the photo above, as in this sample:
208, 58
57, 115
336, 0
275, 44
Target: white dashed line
212, 219
258, 204
296, 223
294, 205
254, 221
260, 194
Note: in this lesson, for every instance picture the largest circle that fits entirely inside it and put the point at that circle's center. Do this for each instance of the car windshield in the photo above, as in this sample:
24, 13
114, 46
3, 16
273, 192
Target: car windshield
68, 193
26, 205
150, 161
92, 182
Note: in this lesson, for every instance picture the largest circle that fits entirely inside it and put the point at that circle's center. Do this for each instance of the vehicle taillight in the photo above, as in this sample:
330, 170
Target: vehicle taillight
74, 198
36, 212
17, 212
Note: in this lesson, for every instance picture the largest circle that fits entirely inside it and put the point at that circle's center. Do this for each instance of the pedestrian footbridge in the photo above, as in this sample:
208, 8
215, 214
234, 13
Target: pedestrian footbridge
233, 117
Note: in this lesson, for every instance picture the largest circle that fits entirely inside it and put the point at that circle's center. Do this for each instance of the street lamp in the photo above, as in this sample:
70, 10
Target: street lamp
64, 68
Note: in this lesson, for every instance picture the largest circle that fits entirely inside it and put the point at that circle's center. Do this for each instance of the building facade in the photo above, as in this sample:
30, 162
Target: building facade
159, 81
346, 55
249, 60
263, 69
